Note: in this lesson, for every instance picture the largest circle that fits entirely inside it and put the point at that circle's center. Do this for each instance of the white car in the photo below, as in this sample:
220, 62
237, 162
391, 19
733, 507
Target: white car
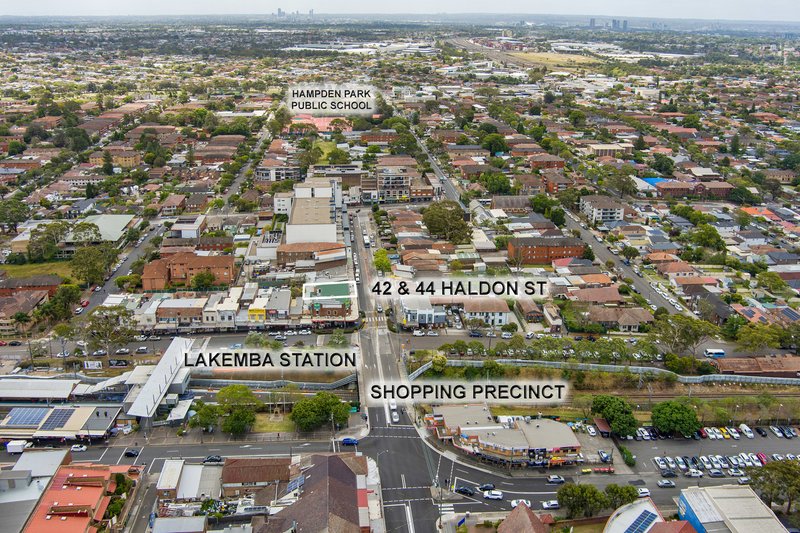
556, 479
433, 333
78, 448
693, 472
643, 492
591, 431
514, 503
551, 504
506, 335
418, 333
493, 495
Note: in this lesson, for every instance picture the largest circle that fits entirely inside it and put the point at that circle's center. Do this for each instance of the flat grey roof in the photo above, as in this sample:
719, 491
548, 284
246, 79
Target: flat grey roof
311, 211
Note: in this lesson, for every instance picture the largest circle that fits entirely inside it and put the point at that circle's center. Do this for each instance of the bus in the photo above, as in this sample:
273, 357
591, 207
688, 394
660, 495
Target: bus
366, 241
714, 353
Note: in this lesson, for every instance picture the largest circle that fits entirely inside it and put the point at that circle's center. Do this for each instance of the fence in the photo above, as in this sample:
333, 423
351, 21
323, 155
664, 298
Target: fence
689, 380
276, 384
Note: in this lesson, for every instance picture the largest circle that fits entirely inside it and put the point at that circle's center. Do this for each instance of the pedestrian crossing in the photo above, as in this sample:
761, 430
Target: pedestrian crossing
447, 508
380, 319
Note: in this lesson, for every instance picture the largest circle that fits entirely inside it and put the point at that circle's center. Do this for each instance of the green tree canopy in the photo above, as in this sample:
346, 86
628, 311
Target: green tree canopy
680, 333
446, 219
675, 417
312, 413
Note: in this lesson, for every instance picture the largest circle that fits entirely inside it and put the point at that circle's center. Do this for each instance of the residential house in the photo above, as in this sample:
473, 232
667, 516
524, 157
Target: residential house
245, 476
493, 311
625, 319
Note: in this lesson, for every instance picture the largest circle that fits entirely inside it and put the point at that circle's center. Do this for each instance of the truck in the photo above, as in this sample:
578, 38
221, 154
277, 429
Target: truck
18, 446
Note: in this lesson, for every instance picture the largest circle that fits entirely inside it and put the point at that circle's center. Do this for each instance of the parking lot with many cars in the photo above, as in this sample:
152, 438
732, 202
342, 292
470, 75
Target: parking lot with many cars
716, 452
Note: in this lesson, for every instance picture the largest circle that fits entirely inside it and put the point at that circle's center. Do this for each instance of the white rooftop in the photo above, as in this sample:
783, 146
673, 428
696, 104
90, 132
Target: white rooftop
153, 391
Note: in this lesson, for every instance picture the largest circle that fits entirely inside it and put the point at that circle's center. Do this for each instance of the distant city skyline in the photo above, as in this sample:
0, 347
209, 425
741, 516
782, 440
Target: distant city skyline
767, 10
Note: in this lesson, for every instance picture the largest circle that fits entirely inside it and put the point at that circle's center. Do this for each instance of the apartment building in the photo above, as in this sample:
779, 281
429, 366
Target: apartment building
543, 250
180, 268
599, 209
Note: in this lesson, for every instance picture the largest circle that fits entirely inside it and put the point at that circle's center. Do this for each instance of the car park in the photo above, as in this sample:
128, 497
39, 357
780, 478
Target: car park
493, 495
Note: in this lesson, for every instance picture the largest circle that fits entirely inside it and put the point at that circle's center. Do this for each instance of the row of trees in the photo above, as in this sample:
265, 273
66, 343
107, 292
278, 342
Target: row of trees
587, 500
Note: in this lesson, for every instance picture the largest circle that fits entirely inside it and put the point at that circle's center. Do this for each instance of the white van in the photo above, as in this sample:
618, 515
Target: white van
746, 430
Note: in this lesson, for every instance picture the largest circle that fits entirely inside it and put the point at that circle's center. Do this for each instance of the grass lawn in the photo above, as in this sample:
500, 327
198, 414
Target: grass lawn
551, 59
60, 268
265, 425
589, 528
326, 147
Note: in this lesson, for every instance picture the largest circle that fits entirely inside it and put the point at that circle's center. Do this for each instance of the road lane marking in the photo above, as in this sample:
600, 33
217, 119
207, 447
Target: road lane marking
103, 455
122, 455
410, 519
403, 480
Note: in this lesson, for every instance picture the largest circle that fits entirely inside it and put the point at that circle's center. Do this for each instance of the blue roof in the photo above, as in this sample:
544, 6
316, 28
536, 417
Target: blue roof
653, 181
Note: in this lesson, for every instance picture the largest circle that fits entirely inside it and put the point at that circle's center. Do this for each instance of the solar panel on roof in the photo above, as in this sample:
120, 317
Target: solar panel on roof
749, 313
791, 313
57, 418
642, 522
26, 416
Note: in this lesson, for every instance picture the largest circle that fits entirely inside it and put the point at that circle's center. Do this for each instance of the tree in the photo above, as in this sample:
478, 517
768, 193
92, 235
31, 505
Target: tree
495, 143
707, 236
777, 482
108, 163
617, 412
338, 156
735, 147
203, 280
622, 182
12, 213
44, 241
337, 338
85, 233
588, 253
438, 363
89, 265
577, 118
629, 252
446, 219
60, 306
619, 495
381, 260
16, 147
495, 182
771, 281
207, 416
742, 218
109, 327
232, 397
756, 337
680, 333
640, 144
557, 216
312, 413
238, 421
581, 499
663, 164
675, 417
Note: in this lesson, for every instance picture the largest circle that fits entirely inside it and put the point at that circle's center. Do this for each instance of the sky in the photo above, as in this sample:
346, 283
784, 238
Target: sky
774, 10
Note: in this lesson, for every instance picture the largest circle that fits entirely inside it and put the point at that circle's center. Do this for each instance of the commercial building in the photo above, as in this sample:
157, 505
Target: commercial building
727, 509
493, 311
600, 209
418, 311
182, 482
311, 220
273, 169
512, 441
543, 250
62, 423
329, 188
242, 476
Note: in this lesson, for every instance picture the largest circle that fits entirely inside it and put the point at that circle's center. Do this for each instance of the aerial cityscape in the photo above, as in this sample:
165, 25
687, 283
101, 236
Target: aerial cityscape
414, 268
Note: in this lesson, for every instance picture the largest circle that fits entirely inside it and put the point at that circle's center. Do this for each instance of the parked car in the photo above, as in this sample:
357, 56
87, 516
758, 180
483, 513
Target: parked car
212, 459
743, 481
550, 505
99, 353
141, 349
418, 333
761, 431
693, 472
715, 472
591, 431
78, 448
643, 492
668, 473
123, 351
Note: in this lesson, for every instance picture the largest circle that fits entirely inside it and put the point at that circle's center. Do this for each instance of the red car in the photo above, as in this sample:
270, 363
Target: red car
3, 343
84, 303
762, 458
703, 433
